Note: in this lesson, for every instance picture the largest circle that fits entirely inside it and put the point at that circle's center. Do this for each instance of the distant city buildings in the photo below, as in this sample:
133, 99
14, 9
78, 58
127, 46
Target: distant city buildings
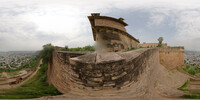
12, 60
192, 58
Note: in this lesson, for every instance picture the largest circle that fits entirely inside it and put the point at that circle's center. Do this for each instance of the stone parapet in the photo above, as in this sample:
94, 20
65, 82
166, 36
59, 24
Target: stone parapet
98, 70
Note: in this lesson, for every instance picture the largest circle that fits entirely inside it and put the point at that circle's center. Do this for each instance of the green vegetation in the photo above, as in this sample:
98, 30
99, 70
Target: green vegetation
160, 39
33, 88
86, 48
192, 70
12, 73
37, 85
46, 53
192, 96
184, 85
192, 93
32, 64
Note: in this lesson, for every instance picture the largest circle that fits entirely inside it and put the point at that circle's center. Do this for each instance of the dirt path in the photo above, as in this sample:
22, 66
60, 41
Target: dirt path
33, 73
25, 77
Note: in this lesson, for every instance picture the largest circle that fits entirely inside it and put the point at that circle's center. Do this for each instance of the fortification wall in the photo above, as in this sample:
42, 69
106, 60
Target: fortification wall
152, 45
59, 70
99, 71
171, 58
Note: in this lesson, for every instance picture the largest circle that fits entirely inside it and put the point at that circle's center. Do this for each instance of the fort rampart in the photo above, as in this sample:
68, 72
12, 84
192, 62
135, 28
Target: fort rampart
171, 58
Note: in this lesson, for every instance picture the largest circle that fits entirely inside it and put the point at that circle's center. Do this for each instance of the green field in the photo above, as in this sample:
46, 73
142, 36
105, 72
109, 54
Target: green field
33, 88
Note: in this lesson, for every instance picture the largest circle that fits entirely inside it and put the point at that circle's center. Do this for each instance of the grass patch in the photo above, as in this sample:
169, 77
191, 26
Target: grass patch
12, 73
184, 85
191, 96
33, 88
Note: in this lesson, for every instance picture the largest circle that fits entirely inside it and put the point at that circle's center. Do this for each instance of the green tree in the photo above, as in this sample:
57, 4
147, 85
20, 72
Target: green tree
46, 52
160, 39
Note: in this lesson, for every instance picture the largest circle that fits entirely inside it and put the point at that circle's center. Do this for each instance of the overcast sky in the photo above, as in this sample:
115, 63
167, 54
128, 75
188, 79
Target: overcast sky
29, 24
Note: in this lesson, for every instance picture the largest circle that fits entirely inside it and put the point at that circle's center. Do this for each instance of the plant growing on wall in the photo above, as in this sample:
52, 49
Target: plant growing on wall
160, 39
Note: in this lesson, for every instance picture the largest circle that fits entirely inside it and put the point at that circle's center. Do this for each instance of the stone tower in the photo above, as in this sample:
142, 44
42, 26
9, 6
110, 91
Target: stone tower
110, 33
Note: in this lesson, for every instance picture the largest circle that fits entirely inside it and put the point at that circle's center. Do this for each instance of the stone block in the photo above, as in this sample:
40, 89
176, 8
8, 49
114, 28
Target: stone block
119, 76
108, 84
96, 79
103, 88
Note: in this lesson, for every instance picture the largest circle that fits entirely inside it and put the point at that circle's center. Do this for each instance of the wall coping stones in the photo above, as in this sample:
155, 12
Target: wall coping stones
88, 58
108, 57
97, 58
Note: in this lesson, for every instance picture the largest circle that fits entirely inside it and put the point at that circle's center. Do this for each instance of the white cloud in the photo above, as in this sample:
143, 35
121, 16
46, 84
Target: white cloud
64, 22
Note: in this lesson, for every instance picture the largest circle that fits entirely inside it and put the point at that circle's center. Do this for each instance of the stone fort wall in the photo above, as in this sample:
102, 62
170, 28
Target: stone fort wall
74, 73
150, 45
81, 72
172, 58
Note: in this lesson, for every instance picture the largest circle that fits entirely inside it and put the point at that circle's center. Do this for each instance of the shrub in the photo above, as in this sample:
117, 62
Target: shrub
86, 48
46, 53
192, 96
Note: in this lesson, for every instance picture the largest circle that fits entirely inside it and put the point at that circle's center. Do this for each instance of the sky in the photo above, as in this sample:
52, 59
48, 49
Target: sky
29, 24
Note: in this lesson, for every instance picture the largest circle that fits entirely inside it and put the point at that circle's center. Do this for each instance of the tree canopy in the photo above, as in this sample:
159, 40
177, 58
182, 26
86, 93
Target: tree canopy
160, 39
46, 52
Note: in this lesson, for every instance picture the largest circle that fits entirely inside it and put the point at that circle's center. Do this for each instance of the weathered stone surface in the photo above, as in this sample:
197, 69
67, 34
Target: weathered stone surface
88, 58
107, 57
79, 76
96, 79
108, 84
119, 76
111, 34
171, 58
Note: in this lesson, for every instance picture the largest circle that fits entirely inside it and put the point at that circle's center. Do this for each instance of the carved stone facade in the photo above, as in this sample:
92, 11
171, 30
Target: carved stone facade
110, 33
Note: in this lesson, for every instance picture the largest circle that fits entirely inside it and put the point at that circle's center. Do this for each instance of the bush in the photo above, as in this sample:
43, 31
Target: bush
86, 48
46, 53
192, 70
